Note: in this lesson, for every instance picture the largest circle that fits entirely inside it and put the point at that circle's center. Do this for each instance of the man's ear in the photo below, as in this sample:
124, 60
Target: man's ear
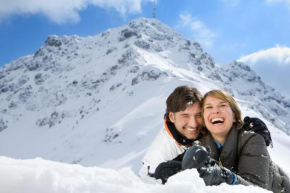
171, 117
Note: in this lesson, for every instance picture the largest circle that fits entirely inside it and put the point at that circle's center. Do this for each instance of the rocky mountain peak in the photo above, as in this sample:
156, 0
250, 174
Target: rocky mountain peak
78, 87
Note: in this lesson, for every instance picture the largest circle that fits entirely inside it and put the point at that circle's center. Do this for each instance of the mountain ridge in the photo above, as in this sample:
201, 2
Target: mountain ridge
76, 95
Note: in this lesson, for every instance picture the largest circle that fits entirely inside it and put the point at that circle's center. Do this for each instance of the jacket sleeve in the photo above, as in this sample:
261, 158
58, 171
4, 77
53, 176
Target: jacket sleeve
163, 149
254, 162
151, 160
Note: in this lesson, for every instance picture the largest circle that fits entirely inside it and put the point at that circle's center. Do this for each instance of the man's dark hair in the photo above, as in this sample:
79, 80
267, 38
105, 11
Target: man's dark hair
180, 98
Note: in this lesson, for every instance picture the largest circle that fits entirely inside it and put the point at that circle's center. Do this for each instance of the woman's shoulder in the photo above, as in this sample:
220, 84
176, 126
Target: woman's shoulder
251, 141
246, 135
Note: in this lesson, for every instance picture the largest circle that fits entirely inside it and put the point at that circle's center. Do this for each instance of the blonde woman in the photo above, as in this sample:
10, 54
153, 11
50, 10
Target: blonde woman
241, 156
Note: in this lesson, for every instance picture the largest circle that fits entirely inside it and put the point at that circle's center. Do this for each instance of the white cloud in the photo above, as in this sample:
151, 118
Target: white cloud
200, 32
273, 65
277, 56
61, 11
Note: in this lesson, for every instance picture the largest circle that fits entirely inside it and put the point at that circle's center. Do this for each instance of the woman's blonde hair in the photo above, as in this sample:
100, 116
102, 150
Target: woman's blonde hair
223, 95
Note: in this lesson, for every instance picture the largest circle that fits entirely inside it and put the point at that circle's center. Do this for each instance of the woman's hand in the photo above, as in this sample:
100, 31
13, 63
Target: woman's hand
215, 175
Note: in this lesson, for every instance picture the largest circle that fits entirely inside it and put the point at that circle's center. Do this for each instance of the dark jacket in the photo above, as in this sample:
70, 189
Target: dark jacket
245, 153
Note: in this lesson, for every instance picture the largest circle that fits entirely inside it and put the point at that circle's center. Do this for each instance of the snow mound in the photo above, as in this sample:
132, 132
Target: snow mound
42, 176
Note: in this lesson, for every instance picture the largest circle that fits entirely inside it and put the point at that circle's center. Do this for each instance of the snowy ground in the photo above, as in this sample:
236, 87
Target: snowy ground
42, 176
99, 102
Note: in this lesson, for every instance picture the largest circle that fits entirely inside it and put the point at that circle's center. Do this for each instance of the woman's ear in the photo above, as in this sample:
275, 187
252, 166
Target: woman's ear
171, 117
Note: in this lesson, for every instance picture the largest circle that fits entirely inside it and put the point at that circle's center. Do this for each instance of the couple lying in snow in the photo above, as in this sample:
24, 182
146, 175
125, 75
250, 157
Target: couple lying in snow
209, 134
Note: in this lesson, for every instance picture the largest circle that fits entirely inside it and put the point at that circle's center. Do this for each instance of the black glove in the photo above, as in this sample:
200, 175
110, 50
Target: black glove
167, 169
196, 157
215, 175
258, 126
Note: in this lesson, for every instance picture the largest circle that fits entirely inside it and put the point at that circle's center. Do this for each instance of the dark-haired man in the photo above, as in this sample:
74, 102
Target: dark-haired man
182, 125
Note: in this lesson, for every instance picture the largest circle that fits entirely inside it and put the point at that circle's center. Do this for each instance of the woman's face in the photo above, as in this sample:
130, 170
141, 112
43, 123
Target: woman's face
218, 116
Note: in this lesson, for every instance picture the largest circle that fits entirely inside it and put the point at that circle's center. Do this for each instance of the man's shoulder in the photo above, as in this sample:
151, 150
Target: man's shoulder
164, 138
165, 143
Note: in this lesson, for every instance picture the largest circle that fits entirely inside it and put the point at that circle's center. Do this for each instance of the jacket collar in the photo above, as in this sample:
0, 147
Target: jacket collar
228, 156
178, 137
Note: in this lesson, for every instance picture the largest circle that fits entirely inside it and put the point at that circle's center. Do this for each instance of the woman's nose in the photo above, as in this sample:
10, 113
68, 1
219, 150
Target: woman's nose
216, 110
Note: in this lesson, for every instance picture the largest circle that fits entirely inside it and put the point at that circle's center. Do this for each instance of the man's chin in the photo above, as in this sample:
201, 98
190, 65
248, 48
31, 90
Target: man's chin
192, 137
190, 134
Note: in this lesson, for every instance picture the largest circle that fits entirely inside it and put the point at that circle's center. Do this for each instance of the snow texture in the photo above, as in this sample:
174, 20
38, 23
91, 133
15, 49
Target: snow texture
99, 101
41, 176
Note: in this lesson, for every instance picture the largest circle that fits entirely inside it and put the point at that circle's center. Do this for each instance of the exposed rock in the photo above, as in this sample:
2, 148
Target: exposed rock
142, 44
53, 41
127, 33
112, 134
2, 124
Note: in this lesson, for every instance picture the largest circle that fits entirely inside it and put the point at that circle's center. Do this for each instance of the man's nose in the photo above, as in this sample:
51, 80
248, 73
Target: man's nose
192, 122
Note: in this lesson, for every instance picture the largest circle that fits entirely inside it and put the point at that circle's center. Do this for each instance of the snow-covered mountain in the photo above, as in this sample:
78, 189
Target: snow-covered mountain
100, 101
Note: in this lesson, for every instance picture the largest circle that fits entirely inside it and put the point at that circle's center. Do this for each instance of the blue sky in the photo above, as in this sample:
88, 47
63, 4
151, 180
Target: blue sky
254, 31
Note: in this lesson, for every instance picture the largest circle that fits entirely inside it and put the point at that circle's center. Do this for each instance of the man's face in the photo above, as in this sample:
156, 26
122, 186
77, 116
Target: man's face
189, 121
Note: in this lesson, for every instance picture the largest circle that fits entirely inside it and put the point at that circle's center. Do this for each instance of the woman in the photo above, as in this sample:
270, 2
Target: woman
241, 155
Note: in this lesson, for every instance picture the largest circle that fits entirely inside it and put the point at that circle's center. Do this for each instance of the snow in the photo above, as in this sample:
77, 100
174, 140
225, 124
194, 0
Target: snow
42, 176
99, 102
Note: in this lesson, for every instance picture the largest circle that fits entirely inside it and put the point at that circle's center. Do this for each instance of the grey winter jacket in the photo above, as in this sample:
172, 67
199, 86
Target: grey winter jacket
245, 153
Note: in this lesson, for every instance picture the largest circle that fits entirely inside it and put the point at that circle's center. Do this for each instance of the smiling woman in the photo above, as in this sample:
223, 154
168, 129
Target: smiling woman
220, 111
242, 156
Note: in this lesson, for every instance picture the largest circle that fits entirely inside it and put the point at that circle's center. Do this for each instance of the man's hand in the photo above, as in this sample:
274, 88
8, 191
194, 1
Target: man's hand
196, 157
167, 169
215, 175
258, 126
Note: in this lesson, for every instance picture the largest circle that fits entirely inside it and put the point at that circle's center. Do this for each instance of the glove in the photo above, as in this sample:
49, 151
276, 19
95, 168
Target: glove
285, 184
196, 157
167, 169
258, 126
215, 175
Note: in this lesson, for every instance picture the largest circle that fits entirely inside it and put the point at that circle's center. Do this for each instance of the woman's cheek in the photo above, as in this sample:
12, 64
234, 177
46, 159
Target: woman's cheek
205, 117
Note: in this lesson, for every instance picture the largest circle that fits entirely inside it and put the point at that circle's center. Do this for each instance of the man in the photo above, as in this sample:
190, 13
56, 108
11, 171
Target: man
182, 127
